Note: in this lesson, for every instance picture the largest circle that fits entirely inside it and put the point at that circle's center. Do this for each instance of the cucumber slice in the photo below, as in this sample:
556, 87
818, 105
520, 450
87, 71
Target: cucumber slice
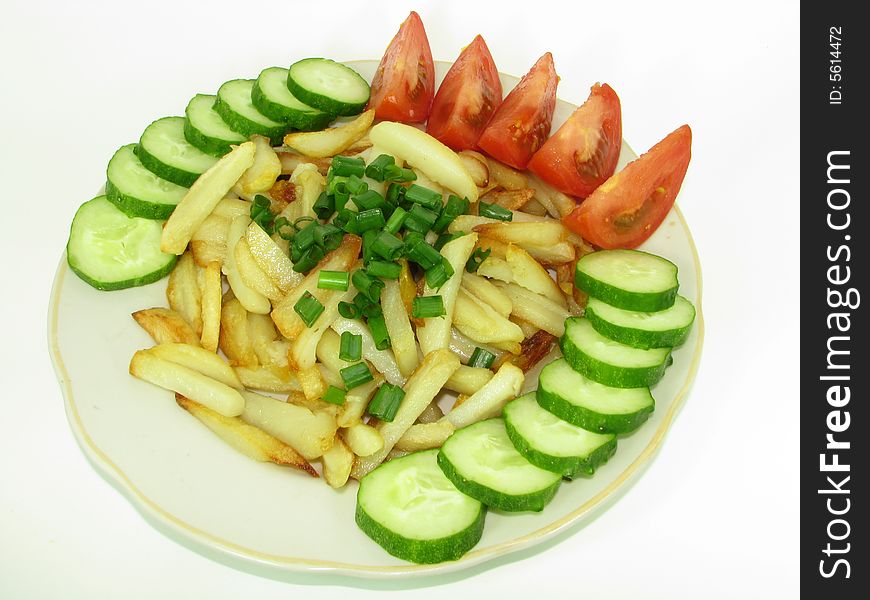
165, 152
482, 462
662, 329
609, 362
235, 106
413, 512
590, 405
137, 191
628, 279
272, 98
206, 130
112, 251
329, 86
548, 442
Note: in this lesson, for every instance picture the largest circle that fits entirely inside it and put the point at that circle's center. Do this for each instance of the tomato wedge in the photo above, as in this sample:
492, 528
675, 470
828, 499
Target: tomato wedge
583, 153
627, 208
522, 122
404, 84
467, 98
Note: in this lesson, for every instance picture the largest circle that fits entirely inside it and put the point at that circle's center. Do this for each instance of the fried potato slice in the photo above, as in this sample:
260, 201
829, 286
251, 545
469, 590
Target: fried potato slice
268, 378
183, 293
212, 292
482, 323
209, 242
252, 275
529, 273
485, 291
264, 171
272, 259
534, 349
251, 299
200, 360
337, 463
489, 399
309, 185
165, 325
467, 380
536, 309
476, 165
505, 176
512, 200
332, 140
384, 361
234, 339
363, 440
356, 401
423, 436
557, 204
404, 344
311, 434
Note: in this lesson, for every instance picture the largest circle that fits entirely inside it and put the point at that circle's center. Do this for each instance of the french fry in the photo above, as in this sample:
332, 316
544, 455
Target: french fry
536, 309
535, 208
399, 327
542, 239
209, 242
423, 436
529, 273
252, 275
183, 294
165, 325
311, 434
203, 197
268, 378
303, 350
512, 200
432, 412
272, 259
252, 300
211, 306
356, 401
200, 360
172, 376
463, 346
407, 285
496, 268
482, 323
328, 349
505, 176
535, 348
247, 439
485, 291
332, 140
309, 184
382, 360
528, 329
363, 440
421, 388
467, 380
558, 204
230, 208
489, 399
422, 151
234, 339
337, 463
435, 332
476, 165
263, 335
261, 175
290, 161
311, 382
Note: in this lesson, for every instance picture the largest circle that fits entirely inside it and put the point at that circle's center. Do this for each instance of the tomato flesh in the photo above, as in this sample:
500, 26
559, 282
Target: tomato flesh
583, 153
627, 208
468, 97
522, 122
404, 84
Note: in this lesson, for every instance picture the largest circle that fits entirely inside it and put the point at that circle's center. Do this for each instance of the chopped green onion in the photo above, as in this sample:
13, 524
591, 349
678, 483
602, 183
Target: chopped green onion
308, 259
372, 310
423, 196
347, 166
476, 259
375, 169
308, 308
455, 206
494, 211
369, 199
378, 327
368, 286
348, 310
398, 174
334, 395
395, 194
386, 402
346, 220
304, 238
351, 347
261, 213
335, 183
388, 246
284, 228
356, 375
445, 238
324, 206
355, 185
372, 218
361, 302
424, 255
368, 240
396, 220
438, 275
481, 358
328, 236
383, 269
425, 307
333, 280
420, 219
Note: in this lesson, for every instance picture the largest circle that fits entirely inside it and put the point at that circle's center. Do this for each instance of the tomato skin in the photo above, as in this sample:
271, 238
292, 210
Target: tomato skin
404, 84
469, 95
522, 123
583, 153
627, 208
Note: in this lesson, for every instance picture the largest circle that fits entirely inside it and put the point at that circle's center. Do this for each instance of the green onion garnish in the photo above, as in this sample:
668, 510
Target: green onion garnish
423, 196
346, 220
438, 275
334, 395
398, 174
355, 375
304, 238
424, 255
261, 213
420, 219
476, 259
383, 269
347, 166
308, 308
368, 241
445, 238
388, 246
426, 307
375, 169
308, 259
396, 220
372, 218
494, 211
328, 236
369, 199
481, 358
348, 310
355, 185
333, 280
324, 206
368, 286
378, 327
351, 347
386, 402
455, 206
395, 194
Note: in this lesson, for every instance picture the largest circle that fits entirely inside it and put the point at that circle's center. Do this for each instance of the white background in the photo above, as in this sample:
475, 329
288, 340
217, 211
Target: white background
716, 515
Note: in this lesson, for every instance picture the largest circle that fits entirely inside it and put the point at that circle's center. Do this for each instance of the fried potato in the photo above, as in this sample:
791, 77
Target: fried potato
512, 200
558, 204
178, 378
476, 165
230, 208
309, 185
272, 259
482, 323
209, 242
303, 350
247, 439
337, 463
200, 360
165, 325
496, 268
264, 171
384, 361
251, 299
467, 380
311, 434
505, 176
489, 399
536, 309
404, 344
268, 378
290, 161
332, 140
183, 293
422, 387
432, 412
423, 436
485, 291
544, 240
363, 440
203, 196
311, 381
535, 208
529, 273
234, 339
251, 273
212, 291
356, 401
535, 349
463, 346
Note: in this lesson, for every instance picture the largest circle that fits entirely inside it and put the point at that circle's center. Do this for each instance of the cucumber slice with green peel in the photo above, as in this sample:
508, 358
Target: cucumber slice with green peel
606, 361
414, 512
482, 462
553, 444
628, 279
165, 152
206, 130
328, 86
137, 191
236, 108
590, 405
661, 329
272, 98
111, 251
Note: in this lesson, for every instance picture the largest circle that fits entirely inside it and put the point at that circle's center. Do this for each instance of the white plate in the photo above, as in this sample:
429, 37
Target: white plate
272, 520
